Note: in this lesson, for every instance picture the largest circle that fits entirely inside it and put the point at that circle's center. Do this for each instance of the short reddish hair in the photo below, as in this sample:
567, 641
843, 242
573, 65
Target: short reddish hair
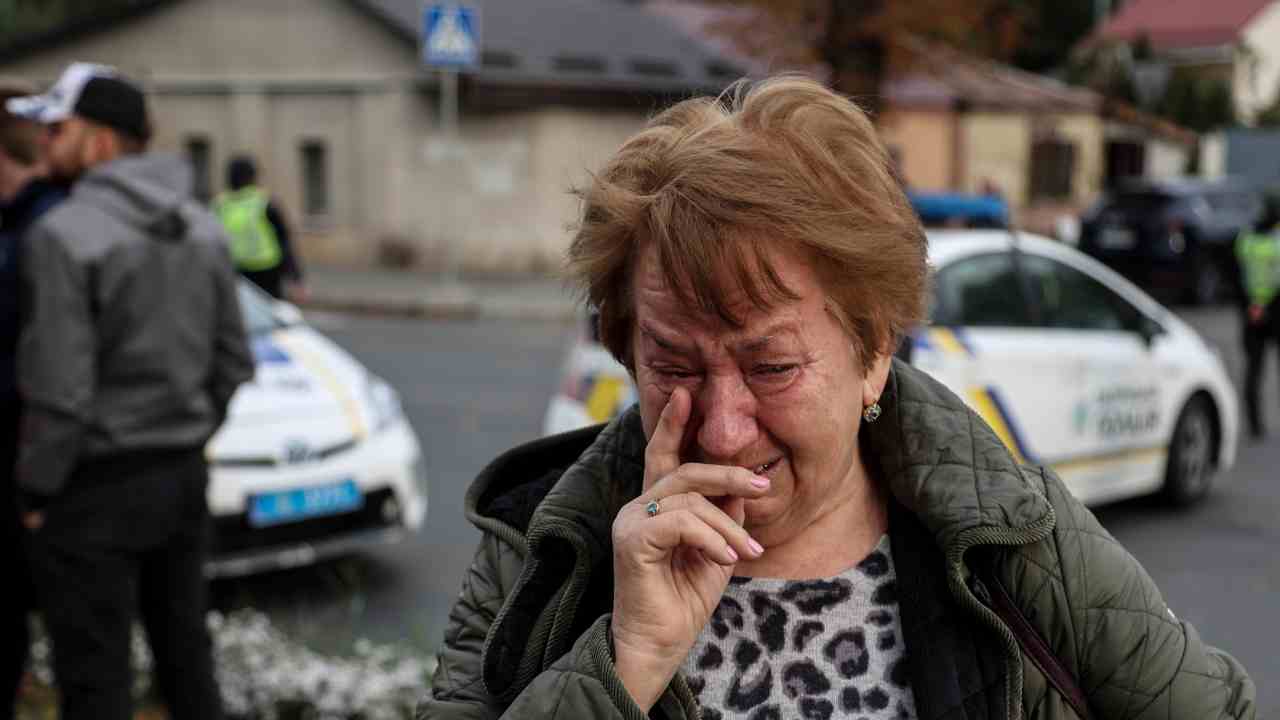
715, 183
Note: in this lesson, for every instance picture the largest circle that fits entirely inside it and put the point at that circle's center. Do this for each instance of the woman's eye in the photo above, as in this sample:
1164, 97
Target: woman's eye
774, 371
676, 373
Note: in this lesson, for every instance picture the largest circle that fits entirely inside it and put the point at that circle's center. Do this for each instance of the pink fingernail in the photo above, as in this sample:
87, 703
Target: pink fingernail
732, 555
756, 547
760, 481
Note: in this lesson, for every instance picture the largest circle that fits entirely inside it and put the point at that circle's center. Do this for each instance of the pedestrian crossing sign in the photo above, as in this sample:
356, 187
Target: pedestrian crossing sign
450, 36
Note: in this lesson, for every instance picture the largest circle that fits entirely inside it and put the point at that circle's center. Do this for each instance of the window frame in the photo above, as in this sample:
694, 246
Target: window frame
310, 215
202, 178
1045, 171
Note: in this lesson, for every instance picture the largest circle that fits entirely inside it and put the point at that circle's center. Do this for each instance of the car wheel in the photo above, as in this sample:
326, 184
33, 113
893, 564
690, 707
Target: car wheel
1189, 473
1207, 284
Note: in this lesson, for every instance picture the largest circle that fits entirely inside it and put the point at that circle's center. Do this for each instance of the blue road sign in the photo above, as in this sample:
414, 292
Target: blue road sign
451, 36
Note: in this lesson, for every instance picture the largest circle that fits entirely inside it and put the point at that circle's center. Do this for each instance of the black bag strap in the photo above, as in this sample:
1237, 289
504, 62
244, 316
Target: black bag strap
1035, 646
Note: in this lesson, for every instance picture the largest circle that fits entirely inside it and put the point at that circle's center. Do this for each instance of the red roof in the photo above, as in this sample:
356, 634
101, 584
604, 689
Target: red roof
1182, 23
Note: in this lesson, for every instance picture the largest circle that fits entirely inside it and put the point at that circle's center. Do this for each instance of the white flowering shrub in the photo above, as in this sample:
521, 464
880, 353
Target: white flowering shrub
264, 675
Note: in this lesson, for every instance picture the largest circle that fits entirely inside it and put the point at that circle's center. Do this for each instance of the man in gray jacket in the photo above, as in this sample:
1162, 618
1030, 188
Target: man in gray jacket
133, 348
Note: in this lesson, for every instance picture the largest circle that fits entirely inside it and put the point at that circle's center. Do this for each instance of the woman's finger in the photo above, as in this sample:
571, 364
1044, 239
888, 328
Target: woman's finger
706, 511
682, 528
735, 508
662, 454
709, 480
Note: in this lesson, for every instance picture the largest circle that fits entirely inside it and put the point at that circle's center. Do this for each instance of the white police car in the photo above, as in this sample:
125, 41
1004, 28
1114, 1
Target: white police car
1073, 366
316, 457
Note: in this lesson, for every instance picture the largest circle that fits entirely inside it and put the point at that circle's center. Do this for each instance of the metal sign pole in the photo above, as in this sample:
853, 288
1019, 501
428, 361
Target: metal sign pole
450, 42
449, 129
449, 102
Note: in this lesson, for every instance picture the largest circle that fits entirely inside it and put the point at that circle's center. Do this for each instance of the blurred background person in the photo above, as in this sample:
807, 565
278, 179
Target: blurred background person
133, 349
1258, 253
25, 194
260, 244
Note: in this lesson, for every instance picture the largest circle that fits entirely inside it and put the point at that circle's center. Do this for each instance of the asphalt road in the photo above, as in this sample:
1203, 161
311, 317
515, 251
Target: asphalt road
473, 389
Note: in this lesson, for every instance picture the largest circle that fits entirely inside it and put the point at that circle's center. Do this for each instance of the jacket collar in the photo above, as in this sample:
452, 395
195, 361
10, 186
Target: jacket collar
942, 463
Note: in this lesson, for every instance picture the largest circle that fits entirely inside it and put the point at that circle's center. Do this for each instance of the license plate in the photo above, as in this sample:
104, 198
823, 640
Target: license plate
302, 503
1117, 238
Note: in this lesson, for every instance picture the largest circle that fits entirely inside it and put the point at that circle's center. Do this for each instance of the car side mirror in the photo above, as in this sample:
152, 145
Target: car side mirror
286, 312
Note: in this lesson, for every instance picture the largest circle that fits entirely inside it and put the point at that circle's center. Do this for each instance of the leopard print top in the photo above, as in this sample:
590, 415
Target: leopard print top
820, 649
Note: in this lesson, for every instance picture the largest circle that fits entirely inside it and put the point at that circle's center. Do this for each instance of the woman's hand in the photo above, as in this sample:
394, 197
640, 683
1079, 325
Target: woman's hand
670, 569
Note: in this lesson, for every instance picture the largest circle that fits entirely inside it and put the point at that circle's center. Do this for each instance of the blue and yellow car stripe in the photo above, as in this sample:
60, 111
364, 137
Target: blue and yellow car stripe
986, 401
267, 352
605, 397
950, 341
320, 370
991, 407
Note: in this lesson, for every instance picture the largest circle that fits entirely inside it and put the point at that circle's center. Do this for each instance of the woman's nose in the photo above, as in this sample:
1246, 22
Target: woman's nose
728, 419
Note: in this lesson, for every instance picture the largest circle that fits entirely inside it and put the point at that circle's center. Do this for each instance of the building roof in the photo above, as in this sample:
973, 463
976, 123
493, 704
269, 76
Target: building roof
727, 29
585, 44
940, 76
590, 45
82, 25
1167, 129
1179, 24
935, 76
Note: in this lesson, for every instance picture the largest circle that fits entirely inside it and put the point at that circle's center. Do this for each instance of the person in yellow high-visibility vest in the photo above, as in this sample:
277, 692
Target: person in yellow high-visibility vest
260, 243
1258, 252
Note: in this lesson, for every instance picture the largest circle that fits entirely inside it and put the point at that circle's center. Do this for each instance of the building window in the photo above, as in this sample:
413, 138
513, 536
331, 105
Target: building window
199, 152
1053, 165
315, 178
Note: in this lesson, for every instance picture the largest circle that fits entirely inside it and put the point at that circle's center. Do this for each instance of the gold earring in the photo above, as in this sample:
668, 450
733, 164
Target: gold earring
871, 413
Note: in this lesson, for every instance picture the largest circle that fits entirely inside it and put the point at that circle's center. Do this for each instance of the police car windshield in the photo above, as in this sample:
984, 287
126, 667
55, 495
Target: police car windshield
256, 309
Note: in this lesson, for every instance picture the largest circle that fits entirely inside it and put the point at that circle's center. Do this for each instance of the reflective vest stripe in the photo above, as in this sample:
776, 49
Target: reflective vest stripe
254, 245
1259, 257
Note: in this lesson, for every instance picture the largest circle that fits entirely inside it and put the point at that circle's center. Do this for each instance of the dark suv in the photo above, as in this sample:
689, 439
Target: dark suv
1174, 237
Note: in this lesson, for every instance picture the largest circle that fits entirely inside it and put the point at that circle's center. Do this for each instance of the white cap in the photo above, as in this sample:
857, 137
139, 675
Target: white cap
60, 101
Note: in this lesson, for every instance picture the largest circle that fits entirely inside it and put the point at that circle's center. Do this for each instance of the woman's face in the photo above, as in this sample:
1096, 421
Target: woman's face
784, 392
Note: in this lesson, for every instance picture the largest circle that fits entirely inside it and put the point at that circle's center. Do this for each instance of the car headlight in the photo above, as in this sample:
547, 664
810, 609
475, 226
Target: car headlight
384, 403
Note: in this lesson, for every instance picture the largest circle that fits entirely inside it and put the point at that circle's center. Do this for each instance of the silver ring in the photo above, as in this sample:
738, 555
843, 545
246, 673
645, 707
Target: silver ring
653, 508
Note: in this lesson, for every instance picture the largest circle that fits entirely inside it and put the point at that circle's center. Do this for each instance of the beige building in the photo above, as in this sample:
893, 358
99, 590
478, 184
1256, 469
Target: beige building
331, 98
960, 124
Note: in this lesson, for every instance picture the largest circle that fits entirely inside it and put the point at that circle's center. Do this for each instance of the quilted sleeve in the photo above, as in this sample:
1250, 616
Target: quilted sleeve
580, 684
457, 690
1106, 619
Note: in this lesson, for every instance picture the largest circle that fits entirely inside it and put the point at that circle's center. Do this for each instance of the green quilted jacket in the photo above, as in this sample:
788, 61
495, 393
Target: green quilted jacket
529, 635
